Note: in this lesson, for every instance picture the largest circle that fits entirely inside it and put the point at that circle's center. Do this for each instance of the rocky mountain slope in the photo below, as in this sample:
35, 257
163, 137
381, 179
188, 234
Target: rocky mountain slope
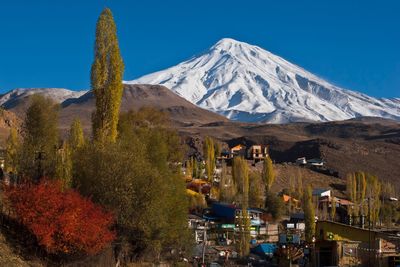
365, 144
181, 112
247, 83
17, 100
81, 104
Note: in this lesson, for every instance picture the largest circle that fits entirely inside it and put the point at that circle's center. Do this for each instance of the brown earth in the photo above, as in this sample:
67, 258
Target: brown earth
367, 144
182, 112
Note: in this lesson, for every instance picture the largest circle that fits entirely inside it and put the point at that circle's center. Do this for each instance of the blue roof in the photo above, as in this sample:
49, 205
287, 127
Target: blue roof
264, 249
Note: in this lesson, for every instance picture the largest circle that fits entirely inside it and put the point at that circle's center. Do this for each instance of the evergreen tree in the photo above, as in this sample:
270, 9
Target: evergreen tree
76, 138
106, 79
12, 152
309, 215
268, 173
40, 138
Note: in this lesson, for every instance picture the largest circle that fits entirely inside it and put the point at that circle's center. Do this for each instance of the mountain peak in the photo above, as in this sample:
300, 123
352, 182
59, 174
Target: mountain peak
247, 83
229, 44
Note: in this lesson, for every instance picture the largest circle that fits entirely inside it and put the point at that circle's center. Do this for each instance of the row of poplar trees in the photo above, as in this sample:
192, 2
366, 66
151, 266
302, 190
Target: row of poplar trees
128, 166
368, 194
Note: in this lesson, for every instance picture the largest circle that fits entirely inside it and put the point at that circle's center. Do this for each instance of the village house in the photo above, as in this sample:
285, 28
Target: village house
315, 162
343, 245
257, 153
343, 208
238, 150
321, 192
301, 161
291, 200
311, 162
296, 221
198, 225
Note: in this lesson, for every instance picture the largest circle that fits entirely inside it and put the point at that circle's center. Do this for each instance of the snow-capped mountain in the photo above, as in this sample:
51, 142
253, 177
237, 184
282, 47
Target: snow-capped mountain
58, 95
247, 83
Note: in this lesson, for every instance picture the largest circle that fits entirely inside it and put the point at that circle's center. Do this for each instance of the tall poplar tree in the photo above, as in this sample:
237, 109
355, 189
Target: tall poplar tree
227, 187
40, 138
268, 173
309, 214
209, 155
241, 173
63, 165
12, 149
76, 138
106, 79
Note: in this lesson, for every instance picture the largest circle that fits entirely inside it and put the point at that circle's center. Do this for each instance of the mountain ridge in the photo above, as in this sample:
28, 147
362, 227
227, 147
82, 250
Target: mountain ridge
247, 83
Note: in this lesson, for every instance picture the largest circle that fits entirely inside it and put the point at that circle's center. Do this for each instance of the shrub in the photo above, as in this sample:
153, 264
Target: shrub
63, 222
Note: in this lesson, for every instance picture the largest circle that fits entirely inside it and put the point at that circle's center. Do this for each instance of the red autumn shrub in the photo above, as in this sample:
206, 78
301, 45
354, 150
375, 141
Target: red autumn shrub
63, 221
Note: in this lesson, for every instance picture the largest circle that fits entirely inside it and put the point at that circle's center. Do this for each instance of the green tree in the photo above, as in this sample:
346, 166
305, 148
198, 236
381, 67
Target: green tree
388, 211
138, 179
227, 187
351, 187
217, 149
242, 173
197, 202
40, 138
274, 205
209, 156
63, 167
356, 187
365, 189
76, 138
299, 187
13, 146
106, 79
256, 190
373, 194
268, 173
361, 182
309, 215
195, 169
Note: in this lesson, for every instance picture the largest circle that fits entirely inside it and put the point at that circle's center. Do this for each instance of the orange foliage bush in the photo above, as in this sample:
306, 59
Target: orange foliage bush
63, 222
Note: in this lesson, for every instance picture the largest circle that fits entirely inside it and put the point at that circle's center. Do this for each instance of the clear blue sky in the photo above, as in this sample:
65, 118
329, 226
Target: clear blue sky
354, 44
